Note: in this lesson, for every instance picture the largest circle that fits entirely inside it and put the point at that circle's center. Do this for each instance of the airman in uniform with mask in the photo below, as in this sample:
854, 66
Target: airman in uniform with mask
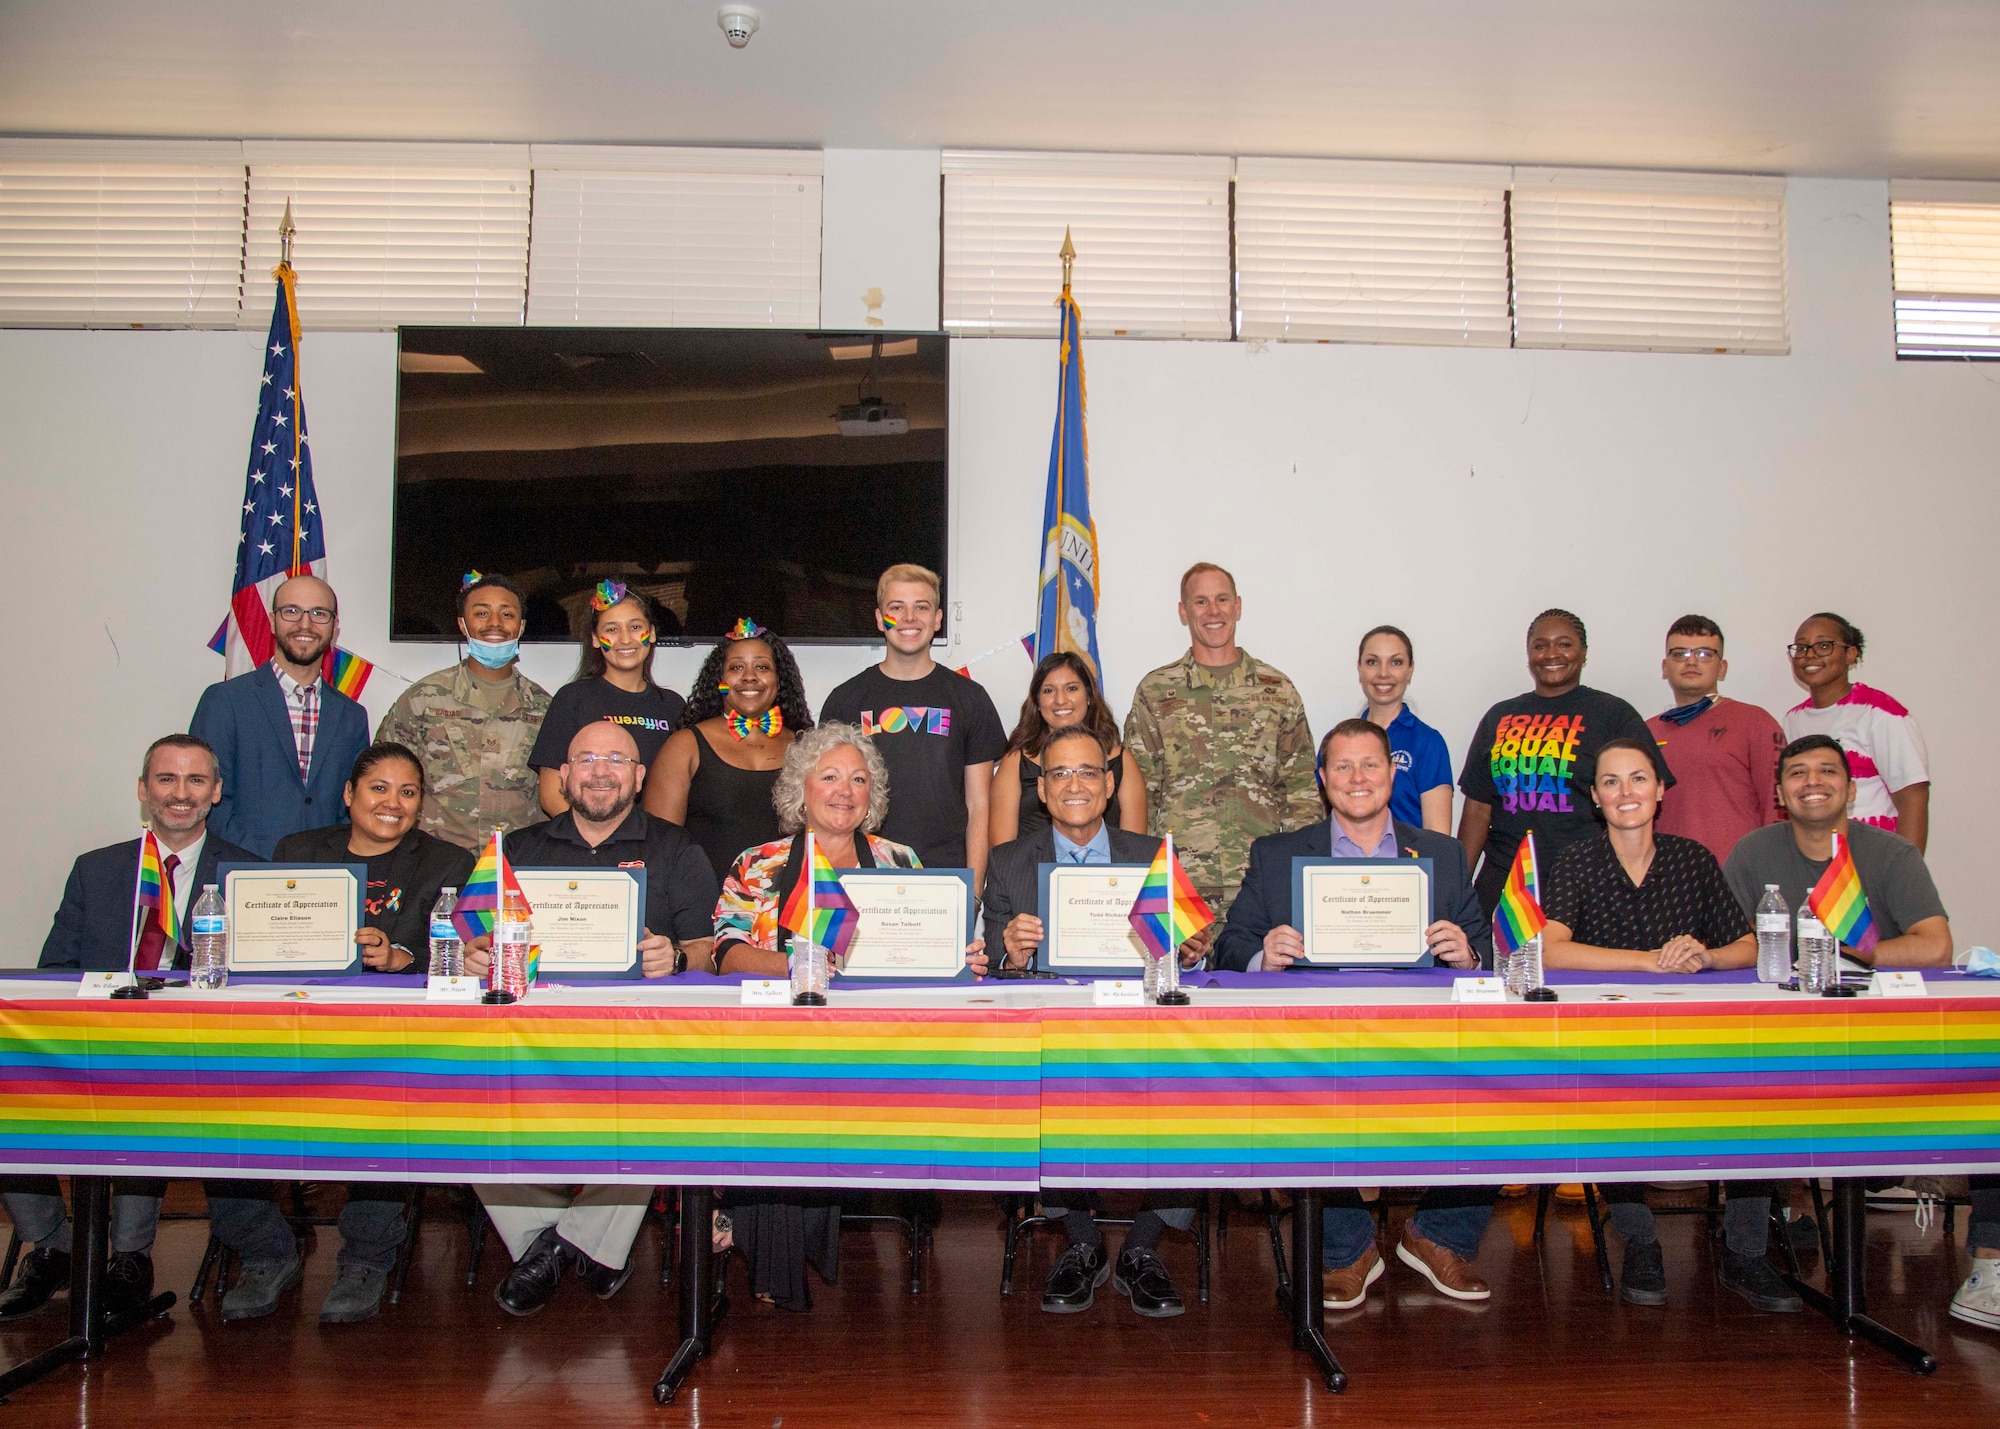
475, 723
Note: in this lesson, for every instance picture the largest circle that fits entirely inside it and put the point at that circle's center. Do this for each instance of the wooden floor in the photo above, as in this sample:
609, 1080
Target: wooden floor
1549, 1348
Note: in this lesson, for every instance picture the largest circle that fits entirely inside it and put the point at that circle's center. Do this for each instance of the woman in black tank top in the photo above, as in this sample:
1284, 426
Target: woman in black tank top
715, 773
1062, 694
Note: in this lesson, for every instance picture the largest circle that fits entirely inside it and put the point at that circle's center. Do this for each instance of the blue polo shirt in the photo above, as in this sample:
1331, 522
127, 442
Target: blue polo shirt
1422, 764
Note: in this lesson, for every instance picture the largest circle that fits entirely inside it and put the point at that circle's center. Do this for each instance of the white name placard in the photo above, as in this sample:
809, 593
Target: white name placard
454, 989
102, 984
1904, 982
1118, 992
767, 992
1478, 989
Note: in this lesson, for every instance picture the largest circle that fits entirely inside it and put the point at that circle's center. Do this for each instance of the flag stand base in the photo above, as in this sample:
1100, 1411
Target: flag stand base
132, 992
809, 999
498, 997
1539, 994
1176, 998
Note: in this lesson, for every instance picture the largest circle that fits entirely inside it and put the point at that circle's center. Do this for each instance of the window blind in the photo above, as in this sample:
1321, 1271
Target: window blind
392, 233
1944, 245
97, 232
1151, 235
1649, 262
1372, 252
675, 237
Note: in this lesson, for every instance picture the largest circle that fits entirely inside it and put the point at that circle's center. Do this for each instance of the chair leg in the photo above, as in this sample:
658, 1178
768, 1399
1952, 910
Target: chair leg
475, 1231
1542, 1194
211, 1260
1201, 1248
1014, 1224
413, 1223
1219, 1203
1781, 1229
1820, 1221
13, 1254
1272, 1215
671, 1231
1597, 1236
1714, 1216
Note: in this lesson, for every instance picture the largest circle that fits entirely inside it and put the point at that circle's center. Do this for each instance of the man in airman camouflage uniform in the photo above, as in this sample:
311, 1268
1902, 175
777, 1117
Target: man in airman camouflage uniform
1222, 740
475, 724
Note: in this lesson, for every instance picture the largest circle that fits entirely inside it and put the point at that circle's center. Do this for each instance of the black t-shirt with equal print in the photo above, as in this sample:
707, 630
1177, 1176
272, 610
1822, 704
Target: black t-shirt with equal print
928, 732
649, 717
1587, 890
1529, 760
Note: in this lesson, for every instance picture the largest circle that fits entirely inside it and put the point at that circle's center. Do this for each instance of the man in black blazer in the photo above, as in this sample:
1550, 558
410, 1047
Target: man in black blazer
1356, 771
178, 786
1076, 786
259, 722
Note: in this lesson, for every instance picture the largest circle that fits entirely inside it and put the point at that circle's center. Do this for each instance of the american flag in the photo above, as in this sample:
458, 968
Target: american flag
281, 534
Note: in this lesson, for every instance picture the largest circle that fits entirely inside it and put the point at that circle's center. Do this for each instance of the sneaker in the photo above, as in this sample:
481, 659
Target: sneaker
1142, 1277
43, 1273
355, 1296
1072, 1283
1450, 1274
1570, 1191
256, 1291
598, 1278
533, 1281
1347, 1286
1751, 1277
1978, 1300
128, 1280
1643, 1280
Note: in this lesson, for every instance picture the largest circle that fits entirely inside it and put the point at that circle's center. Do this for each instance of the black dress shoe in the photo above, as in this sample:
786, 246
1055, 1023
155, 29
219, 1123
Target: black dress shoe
1644, 1278
42, 1274
128, 1280
532, 1282
1751, 1277
1142, 1276
597, 1277
1072, 1285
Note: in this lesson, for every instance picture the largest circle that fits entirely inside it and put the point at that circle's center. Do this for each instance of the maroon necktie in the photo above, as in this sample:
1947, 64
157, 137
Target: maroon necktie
153, 937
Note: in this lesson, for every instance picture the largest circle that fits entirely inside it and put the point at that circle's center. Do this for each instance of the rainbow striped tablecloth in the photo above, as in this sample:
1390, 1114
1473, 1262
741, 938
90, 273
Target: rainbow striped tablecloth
536, 1093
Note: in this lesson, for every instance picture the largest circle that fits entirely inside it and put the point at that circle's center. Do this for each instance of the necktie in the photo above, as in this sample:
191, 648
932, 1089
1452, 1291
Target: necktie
153, 937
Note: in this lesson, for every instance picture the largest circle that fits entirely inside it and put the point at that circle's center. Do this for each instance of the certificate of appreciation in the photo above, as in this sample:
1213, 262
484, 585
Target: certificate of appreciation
1086, 913
586, 920
1363, 912
915, 923
293, 920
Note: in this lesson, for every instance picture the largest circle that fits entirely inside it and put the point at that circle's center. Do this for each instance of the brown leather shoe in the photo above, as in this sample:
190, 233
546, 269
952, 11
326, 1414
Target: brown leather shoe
1347, 1287
1451, 1275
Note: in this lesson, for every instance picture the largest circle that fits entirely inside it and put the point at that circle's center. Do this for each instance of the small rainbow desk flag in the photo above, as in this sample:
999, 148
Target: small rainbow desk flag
818, 908
1168, 911
492, 878
1837, 901
1518, 916
156, 890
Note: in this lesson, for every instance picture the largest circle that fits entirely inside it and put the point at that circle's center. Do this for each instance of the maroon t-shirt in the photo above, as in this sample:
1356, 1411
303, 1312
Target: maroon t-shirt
1725, 763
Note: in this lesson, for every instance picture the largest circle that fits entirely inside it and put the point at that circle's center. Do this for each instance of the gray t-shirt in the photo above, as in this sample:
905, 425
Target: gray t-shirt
1893, 876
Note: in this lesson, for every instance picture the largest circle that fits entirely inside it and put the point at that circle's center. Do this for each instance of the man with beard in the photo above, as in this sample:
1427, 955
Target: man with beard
284, 738
178, 788
548, 1229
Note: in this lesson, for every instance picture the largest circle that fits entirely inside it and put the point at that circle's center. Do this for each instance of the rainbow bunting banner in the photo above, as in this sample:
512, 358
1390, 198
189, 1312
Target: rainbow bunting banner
346, 671
1168, 911
491, 880
1518, 916
818, 908
1837, 901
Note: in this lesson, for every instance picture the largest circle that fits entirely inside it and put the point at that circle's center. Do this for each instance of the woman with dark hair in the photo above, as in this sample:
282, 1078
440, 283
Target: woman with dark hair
1524, 770
614, 682
406, 866
715, 773
1421, 794
1885, 749
1062, 695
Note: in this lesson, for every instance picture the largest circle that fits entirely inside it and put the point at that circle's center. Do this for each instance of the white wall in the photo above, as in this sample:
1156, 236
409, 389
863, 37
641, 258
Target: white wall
1454, 493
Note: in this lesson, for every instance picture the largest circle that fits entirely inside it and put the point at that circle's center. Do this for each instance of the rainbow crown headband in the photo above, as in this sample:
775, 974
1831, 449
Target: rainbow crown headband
746, 629
607, 594
470, 579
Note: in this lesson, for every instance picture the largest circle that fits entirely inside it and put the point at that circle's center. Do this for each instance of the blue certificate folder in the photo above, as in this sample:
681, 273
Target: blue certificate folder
1045, 960
963, 875
632, 966
1299, 867
357, 871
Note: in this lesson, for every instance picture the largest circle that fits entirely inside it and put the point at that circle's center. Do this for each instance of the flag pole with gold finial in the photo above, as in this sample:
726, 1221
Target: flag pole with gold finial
288, 280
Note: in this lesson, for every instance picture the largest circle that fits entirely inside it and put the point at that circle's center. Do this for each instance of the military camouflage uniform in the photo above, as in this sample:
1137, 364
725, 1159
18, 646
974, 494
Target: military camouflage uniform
475, 758
1228, 758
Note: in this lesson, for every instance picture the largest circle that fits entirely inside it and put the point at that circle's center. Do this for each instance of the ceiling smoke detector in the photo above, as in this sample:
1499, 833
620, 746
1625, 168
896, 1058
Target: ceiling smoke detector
738, 22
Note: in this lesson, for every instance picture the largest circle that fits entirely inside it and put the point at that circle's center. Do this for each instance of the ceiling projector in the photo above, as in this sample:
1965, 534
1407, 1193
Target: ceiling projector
872, 417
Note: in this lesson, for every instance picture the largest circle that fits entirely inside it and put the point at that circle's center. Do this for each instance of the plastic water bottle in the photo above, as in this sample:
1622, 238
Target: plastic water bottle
447, 948
208, 941
1819, 955
1524, 968
1774, 936
511, 935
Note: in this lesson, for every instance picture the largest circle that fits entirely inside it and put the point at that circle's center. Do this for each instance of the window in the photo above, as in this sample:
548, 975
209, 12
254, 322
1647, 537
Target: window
115, 232
675, 237
1151, 235
1372, 252
1944, 243
1649, 262
392, 233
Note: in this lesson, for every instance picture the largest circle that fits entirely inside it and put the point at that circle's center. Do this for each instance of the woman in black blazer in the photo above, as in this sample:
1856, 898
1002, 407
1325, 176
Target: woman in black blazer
406, 866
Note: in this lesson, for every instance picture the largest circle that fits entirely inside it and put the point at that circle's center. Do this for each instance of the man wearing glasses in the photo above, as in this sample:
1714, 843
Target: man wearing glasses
1724, 753
284, 738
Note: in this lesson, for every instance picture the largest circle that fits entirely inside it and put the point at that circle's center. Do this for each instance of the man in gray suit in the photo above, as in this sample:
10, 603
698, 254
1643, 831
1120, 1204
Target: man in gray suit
1076, 787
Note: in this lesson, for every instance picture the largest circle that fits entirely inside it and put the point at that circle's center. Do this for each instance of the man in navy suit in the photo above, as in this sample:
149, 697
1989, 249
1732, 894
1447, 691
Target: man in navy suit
285, 739
1356, 772
1076, 787
93, 931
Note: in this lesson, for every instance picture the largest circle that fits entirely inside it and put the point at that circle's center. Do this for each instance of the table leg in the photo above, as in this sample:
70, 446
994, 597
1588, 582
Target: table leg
1308, 1314
702, 1302
1845, 1300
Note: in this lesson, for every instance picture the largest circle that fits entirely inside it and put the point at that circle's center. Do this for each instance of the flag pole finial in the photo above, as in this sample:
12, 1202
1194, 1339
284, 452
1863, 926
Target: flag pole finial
286, 229
1068, 255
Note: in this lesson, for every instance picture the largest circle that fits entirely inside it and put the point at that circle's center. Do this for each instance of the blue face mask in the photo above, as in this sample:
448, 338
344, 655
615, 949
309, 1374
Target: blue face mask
1979, 962
494, 654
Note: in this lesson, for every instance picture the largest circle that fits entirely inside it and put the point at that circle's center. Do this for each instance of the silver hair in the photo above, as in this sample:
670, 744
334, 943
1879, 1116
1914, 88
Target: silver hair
789, 795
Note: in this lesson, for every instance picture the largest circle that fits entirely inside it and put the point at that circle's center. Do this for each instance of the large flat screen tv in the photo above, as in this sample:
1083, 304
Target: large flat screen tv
723, 472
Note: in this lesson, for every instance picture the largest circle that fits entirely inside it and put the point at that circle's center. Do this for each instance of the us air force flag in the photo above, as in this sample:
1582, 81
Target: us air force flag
1068, 618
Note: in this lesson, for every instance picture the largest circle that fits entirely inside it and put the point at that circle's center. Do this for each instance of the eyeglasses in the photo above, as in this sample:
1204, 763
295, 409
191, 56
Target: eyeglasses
1082, 774
1818, 647
1701, 654
612, 761
293, 614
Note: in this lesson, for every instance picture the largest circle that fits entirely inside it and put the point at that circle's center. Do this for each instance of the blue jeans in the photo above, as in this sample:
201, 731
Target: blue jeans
1454, 1217
250, 1223
35, 1205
